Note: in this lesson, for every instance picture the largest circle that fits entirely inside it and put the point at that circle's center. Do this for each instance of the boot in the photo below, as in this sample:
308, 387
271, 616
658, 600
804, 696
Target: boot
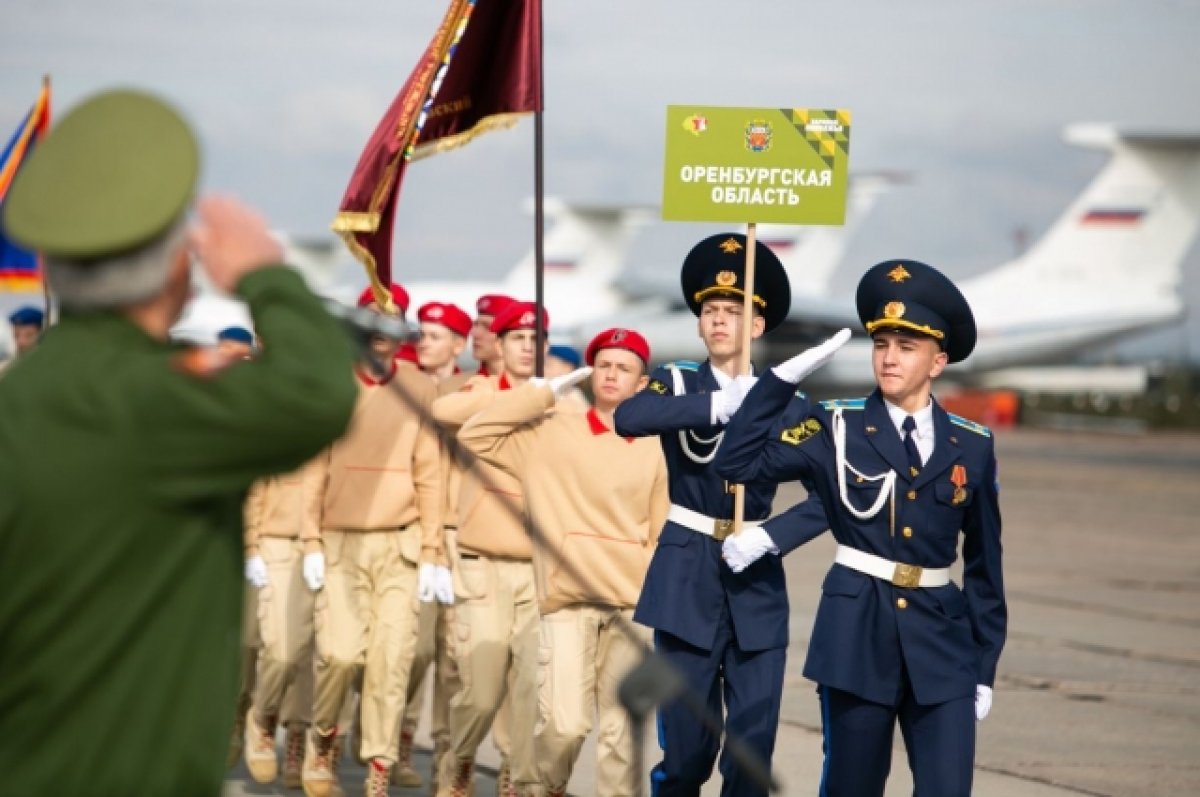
505, 787
457, 778
293, 754
441, 746
260, 749
319, 772
379, 774
403, 773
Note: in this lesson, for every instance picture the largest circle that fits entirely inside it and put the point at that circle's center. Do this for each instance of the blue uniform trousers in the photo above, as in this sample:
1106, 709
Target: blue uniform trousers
940, 740
749, 683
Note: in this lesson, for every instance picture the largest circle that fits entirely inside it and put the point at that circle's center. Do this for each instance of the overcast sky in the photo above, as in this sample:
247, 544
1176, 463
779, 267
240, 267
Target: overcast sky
968, 97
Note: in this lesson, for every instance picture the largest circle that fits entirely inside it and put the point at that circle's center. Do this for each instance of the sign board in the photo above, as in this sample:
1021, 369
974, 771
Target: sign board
778, 165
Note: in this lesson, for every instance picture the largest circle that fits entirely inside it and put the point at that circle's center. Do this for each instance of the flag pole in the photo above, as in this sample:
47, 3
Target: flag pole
539, 254
739, 490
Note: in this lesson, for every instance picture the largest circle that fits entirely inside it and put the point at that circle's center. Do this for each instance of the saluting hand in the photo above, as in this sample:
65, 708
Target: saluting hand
559, 385
809, 360
231, 240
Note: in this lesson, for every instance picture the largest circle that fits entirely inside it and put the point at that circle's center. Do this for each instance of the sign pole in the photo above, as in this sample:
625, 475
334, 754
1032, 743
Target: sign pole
739, 490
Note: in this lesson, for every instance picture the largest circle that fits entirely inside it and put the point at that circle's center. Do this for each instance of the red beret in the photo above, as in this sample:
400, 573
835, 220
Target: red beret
451, 316
518, 315
492, 303
618, 338
399, 296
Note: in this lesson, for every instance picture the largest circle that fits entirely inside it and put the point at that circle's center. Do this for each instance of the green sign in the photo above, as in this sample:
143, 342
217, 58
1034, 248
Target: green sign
780, 165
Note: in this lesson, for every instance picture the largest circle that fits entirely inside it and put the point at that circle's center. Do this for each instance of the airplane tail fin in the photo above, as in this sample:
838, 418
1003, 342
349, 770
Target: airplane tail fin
585, 246
810, 255
1131, 227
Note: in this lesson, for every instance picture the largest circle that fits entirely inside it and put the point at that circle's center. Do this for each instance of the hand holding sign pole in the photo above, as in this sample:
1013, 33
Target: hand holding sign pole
750, 165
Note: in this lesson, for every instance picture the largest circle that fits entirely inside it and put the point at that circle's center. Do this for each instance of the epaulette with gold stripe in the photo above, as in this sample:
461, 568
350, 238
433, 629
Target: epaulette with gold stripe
977, 428
845, 404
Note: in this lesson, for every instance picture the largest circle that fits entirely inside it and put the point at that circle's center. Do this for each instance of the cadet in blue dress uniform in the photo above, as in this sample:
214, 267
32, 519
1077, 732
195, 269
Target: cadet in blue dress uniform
726, 631
894, 638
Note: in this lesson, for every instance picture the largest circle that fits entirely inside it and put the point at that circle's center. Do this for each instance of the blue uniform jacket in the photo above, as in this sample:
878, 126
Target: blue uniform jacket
687, 581
947, 639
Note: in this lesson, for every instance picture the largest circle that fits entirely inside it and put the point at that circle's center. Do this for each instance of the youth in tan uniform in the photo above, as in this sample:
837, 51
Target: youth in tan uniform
374, 511
444, 330
495, 608
598, 500
283, 612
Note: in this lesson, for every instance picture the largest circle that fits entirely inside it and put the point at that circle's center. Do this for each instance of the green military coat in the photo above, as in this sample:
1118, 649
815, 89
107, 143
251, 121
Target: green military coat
122, 473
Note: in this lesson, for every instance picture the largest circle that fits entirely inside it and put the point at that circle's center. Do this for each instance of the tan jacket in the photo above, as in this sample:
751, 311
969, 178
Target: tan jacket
274, 508
597, 499
453, 460
491, 505
385, 473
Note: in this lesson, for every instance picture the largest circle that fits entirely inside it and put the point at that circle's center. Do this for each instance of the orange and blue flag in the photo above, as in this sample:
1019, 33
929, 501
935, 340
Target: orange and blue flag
19, 269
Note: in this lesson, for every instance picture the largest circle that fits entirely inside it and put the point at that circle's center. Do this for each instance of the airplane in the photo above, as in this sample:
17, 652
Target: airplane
1108, 267
584, 283
584, 252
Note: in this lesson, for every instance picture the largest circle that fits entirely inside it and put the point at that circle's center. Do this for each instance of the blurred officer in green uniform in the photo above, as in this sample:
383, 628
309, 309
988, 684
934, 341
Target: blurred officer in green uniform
125, 460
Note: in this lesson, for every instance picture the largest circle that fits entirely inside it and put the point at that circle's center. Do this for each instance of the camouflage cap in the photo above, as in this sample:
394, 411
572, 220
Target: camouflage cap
115, 173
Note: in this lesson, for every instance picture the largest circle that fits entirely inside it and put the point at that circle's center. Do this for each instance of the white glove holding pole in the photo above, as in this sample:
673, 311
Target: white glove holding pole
809, 360
443, 585
983, 701
314, 570
747, 547
256, 572
426, 582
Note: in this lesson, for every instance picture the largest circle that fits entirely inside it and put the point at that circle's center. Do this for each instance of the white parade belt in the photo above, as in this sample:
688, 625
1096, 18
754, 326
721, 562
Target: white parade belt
898, 573
717, 528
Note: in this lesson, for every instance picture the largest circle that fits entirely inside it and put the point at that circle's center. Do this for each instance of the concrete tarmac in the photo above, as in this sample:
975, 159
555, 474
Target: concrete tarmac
1099, 684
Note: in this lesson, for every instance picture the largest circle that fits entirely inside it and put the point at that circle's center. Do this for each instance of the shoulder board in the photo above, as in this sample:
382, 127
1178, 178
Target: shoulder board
845, 404
685, 365
800, 394
977, 428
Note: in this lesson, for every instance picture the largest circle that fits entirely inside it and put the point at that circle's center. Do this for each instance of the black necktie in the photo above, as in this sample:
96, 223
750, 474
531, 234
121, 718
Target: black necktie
910, 445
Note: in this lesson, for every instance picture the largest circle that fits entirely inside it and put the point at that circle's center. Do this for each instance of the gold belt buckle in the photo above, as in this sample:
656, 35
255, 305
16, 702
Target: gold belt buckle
722, 529
907, 576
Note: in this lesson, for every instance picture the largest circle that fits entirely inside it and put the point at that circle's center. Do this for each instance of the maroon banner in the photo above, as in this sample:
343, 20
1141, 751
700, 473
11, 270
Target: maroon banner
479, 73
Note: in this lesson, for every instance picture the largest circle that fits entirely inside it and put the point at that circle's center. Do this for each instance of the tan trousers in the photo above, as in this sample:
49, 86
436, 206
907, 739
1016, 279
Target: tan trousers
582, 658
495, 631
285, 633
433, 647
366, 619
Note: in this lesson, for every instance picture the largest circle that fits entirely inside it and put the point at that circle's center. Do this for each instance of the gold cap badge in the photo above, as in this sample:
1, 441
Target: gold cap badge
730, 246
893, 310
899, 273
726, 278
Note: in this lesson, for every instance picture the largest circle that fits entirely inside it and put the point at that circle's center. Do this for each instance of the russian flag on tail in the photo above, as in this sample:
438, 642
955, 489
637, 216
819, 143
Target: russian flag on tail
19, 269
1112, 217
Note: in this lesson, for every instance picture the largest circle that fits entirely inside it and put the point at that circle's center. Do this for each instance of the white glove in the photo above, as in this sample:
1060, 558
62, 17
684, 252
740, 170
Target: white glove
443, 585
560, 385
314, 570
747, 547
810, 360
426, 582
256, 571
725, 402
983, 701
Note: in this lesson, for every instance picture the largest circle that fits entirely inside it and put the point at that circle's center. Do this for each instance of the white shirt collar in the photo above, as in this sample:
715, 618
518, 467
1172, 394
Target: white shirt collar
923, 418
